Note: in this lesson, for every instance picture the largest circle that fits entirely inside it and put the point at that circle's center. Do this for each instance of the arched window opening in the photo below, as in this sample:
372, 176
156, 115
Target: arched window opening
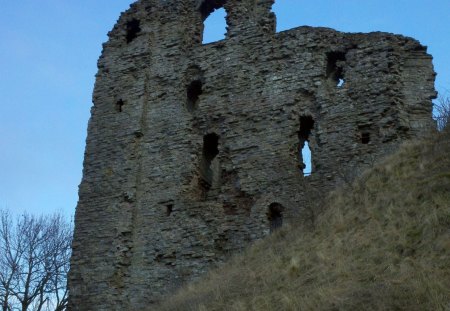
209, 153
305, 156
214, 20
194, 90
133, 27
335, 68
275, 216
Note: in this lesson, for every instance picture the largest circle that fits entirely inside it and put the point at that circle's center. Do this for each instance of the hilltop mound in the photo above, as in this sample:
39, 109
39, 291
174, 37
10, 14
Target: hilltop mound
382, 243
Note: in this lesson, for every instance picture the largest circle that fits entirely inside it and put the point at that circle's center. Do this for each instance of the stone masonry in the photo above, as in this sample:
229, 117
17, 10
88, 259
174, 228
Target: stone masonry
193, 149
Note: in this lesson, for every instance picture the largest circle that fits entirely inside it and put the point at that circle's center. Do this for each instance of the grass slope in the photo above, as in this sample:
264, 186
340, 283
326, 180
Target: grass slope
382, 243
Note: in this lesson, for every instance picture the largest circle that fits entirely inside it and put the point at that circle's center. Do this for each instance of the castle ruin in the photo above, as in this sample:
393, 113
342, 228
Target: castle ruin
193, 150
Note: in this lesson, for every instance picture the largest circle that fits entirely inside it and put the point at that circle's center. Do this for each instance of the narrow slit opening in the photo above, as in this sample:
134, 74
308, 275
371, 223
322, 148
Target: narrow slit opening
119, 105
169, 209
209, 153
305, 155
194, 90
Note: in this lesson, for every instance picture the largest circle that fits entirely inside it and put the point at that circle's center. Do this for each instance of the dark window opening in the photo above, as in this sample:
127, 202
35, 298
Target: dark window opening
210, 152
133, 28
305, 156
119, 105
214, 20
169, 209
194, 90
365, 138
335, 69
275, 216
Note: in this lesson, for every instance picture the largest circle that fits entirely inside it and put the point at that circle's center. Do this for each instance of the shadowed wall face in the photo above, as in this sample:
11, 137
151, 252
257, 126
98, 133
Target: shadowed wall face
193, 150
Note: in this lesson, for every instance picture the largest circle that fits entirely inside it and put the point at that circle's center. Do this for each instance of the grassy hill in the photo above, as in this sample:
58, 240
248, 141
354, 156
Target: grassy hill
382, 243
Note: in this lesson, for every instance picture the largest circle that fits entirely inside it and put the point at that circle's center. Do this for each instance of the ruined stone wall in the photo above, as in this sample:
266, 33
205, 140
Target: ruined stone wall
193, 150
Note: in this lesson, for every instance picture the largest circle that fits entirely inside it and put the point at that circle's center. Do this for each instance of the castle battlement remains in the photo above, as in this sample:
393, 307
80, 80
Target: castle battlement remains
193, 150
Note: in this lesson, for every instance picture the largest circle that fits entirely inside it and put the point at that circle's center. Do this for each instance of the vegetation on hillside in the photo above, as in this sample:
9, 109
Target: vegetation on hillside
382, 243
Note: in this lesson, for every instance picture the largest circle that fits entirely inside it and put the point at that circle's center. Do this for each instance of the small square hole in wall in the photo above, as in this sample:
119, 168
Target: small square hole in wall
340, 83
365, 138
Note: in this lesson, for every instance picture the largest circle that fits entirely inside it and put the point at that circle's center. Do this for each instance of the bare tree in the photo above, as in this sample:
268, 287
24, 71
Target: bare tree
34, 261
442, 111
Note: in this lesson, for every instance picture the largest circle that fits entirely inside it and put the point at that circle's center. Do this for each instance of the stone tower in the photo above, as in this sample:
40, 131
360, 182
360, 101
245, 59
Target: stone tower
193, 150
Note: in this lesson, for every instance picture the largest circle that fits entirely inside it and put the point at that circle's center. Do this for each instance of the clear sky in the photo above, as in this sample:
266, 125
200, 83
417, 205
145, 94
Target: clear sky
48, 55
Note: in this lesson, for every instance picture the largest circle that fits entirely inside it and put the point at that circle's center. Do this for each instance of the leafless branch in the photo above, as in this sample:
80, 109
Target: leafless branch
34, 261
442, 111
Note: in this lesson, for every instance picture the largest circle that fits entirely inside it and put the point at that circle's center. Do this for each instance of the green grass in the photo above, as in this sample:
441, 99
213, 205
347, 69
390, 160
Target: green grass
382, 243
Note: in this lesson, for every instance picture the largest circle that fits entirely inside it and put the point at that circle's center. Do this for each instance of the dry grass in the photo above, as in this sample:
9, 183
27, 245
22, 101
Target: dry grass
382, 244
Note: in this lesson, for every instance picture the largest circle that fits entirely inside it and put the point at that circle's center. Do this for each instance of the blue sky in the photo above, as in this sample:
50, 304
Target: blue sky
48, 55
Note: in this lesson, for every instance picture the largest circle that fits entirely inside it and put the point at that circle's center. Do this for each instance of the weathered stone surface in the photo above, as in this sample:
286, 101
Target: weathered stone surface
193, 150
